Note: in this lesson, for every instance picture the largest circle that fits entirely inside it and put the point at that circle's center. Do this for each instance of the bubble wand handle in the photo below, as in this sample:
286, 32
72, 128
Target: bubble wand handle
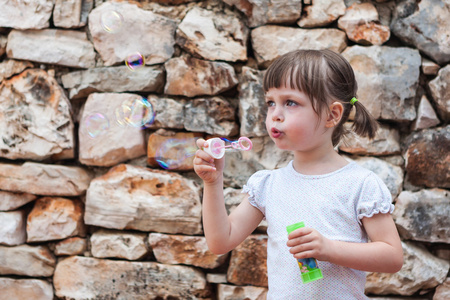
216, 146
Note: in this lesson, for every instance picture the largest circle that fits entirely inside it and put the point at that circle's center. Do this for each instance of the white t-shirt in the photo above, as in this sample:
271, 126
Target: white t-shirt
334, 205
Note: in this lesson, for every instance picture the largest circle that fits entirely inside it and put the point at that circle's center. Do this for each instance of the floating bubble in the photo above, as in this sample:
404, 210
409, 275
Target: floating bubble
112, 21
96, 124
216, 146
137, 112
135, 61
174, 152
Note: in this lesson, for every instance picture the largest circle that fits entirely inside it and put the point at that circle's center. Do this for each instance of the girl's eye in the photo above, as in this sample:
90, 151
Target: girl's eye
270, 103
290, 103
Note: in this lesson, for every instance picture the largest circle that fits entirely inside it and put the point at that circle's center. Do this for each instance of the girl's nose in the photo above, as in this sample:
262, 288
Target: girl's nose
277, 115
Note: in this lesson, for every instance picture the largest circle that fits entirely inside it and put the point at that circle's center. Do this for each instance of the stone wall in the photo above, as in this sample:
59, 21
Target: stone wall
114, 211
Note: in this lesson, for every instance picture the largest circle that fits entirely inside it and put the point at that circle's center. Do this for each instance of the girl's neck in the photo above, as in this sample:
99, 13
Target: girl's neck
320, 161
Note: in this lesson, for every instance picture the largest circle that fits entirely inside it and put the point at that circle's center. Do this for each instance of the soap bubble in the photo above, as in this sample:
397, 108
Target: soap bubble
136, 112
111, 21
175, 152
96, 124
135, 61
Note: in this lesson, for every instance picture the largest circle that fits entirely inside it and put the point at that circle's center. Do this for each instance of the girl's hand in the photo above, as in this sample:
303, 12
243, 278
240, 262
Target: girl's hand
308, 242
208, 169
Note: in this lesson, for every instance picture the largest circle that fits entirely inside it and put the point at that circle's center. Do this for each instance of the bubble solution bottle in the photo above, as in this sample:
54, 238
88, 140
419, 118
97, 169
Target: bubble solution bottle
308, 266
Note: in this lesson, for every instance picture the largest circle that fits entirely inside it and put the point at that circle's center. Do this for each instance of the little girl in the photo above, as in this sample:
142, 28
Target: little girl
309, 96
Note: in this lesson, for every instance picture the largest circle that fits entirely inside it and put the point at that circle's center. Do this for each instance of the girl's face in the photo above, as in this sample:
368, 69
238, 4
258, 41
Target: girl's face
292, 122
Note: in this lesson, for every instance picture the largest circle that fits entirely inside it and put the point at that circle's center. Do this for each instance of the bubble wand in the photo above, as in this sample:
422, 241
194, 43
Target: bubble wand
216, 146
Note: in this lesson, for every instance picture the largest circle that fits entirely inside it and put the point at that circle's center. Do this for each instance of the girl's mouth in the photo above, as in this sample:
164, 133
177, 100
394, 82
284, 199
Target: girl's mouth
275, 133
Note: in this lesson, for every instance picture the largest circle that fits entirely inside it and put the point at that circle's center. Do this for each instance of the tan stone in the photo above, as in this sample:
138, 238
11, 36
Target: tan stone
11, 201
144, 199
55, 219
429, 67
118, 244
16, 289
443, 290
172, 150
426, 117
115, 141
92, 278
35, 118
248, 263
213, 35
25, 260
42, 179
26, 14
189, 76
440, 91
52, 46
67, 13
272, 41
321, 13
186, 250
10, 67
150, 34
70, 246
226, 291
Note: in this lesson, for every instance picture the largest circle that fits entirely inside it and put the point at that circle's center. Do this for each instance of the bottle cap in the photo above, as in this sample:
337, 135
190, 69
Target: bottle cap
295, 226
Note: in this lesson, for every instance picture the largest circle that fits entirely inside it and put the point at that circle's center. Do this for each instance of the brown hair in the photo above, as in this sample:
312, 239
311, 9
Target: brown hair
324, 76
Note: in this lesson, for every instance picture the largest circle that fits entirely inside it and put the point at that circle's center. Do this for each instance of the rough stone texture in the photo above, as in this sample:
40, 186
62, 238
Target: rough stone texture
321, 13
427, 157
26, 14
189, 76
70, 246
35, 118
11, 201
67, 13
150, 34
172, 150
187, 250
13, 228
440, 91
55, 219
42, 179
116, 142
169, 112
387, 80
118, 244
443, 290
10, 67
424, 215
15, 289
261, 12
426, 117
386, 142
421, 270
227, 292
218, 116
3, 41
91, 278
25, 260
52, 46
429, 67
272, 41
411, 23
114, 79
362, 25
252, 105
213, 35
129, 197
248, 263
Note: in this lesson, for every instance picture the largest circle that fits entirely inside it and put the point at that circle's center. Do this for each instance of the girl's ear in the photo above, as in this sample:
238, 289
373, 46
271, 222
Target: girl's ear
335, 112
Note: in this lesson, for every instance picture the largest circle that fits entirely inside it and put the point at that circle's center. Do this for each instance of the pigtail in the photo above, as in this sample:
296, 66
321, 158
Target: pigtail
364, 123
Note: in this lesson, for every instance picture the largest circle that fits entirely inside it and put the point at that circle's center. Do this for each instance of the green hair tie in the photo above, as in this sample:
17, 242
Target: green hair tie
353, 101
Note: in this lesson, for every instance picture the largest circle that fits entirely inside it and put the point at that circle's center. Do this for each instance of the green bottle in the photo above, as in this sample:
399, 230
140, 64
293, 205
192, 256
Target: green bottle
308, 266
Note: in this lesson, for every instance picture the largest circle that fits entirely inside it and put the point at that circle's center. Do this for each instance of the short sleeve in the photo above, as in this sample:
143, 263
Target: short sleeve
255, 189
375, 198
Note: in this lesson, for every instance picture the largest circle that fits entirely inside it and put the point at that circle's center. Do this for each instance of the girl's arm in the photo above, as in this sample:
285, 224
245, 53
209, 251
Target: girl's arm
223, 233
383, 253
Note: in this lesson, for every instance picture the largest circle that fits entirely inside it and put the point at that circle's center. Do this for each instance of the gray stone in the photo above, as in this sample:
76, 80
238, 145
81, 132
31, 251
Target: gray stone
387, 80
13, 227
227, 291
113, 79
411, 23
321, 13
426, 117
424, 215
440, 91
